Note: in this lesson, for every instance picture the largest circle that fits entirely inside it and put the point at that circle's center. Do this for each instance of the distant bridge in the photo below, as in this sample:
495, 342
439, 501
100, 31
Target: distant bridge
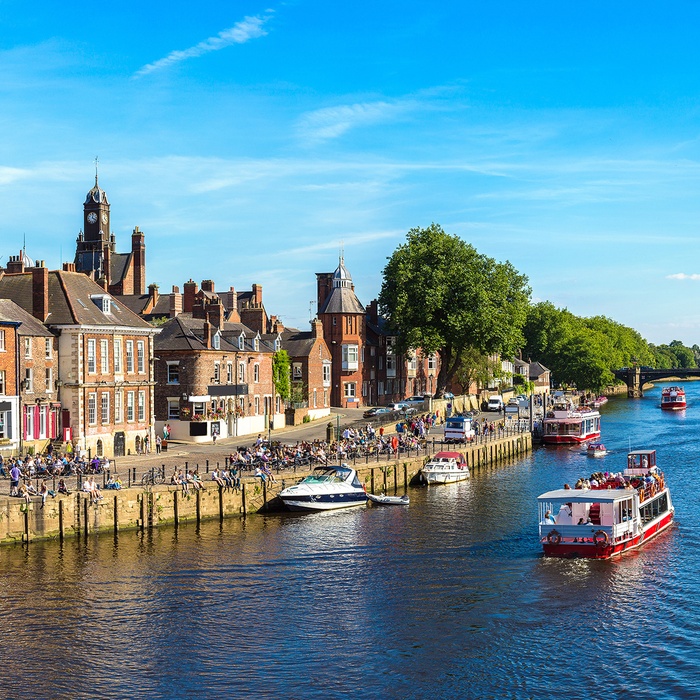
637, 377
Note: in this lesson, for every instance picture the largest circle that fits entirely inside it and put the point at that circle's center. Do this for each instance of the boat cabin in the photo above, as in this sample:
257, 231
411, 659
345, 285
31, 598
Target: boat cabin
641, 462
331, 475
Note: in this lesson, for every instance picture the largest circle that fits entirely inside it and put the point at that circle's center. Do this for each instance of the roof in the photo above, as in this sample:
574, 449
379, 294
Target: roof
187, 333
342, 300
96, 194
118, 266
586, 495
12, 313
70, 300
298, 343
537, 368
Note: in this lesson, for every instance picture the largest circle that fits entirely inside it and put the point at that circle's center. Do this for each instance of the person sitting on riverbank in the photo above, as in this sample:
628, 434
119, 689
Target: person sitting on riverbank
216, 478
114, 483
259, 474
62, 488
24, 493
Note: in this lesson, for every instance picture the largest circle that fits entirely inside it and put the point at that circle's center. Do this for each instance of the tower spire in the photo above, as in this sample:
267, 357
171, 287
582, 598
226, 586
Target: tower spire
97, 160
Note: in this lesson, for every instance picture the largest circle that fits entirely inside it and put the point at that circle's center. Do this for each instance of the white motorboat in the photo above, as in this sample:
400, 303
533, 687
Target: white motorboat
326, 488
383, 500
445, 468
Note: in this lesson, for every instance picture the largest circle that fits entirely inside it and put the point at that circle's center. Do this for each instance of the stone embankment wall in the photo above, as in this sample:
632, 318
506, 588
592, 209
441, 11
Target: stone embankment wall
138, 508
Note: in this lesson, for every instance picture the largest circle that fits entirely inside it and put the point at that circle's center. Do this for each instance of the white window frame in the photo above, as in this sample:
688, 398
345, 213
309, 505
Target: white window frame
176, 365
104, 408
129, 406
326, 373
92, 408
28, 380
48, 376
129, 356
104, 356
119, 406
2, 340
256, 373
27, 348
91, 356
48, 348
350, 357
350, 390
174, 409
141, 406
2, 382
141, 356
117, 356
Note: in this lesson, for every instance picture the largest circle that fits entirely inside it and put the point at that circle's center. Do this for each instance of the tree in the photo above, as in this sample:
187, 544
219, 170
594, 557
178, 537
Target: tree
280, 374
439, 294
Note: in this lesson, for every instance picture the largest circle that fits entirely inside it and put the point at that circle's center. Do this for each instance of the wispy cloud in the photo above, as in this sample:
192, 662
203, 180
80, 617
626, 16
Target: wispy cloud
683, 276
331, 122
241, 32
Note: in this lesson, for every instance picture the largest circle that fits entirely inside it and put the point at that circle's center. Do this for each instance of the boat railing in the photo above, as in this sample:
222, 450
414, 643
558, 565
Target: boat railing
585, 533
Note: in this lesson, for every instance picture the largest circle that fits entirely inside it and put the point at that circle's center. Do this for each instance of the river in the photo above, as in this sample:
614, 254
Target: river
448, 598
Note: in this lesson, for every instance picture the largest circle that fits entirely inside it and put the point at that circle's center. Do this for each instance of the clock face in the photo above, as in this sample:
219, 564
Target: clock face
104, 218
92, 217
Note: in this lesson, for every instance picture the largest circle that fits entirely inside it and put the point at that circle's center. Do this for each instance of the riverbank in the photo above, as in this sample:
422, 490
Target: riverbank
75, 515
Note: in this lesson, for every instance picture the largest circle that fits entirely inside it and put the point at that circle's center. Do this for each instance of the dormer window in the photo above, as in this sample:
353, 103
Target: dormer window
241, 341
102, 302
278, 344
256, 343
216, 341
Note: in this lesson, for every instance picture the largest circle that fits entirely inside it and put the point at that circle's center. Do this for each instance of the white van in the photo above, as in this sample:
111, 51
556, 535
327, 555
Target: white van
459, 429
495, 403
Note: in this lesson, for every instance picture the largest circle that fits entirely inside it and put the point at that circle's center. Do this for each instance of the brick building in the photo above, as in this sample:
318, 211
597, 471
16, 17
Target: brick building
105, 374
214, 378
10, 434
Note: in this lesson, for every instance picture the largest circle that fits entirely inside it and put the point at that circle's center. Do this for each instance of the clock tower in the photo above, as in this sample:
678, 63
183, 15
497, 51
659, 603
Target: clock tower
94, 242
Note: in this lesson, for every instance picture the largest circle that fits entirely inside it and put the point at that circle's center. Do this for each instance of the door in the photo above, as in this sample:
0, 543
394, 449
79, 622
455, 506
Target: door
119, 444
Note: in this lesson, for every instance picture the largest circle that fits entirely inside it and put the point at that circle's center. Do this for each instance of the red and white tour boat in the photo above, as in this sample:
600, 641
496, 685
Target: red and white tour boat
567, 425
618, 514
673, 398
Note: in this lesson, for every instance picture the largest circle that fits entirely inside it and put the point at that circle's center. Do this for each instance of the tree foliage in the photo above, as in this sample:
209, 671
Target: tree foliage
439, 294
280, 374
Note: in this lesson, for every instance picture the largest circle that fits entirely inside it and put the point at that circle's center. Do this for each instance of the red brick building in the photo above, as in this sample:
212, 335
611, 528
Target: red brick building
10, 423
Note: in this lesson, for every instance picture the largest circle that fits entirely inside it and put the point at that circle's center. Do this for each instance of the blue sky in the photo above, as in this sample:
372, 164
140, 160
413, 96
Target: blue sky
249, 141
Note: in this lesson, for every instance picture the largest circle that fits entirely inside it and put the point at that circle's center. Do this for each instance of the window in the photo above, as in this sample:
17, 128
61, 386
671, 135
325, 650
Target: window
256, 343
117, 355
173, 409
129, 405
326, 374
2, 340
142, 406
48, 377
91, 361
48, 348
364, 388
241, 341
29, 380
3, 429
325, 398
432, 361
92, 409
104, 413
314, 398
229, 373
141, 356
130, 356
380, 389
296, 370
173, 372
350, 390
257, 405
104, 357
198, 408
29, 422
216, 341
217, 373
350, 357
412, 364
278, 344
381, 361
2, 383
391, 365
241, 372
28, 348
334, 321
118, 404
256, 373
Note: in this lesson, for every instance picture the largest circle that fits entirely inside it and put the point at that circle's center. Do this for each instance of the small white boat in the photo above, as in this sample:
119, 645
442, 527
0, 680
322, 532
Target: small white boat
326, 488
596, 449
383, 500
445, 468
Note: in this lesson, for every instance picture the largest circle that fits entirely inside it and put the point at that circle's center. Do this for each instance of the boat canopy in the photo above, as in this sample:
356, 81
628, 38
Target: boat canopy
586, 495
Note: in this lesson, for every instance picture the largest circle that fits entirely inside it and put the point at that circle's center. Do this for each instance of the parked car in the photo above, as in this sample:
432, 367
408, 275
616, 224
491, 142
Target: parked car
415, 400
376, 411
400, 406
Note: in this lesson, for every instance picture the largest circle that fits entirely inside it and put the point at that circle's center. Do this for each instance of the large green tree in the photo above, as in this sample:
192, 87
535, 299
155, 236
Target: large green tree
280, 374
439, 294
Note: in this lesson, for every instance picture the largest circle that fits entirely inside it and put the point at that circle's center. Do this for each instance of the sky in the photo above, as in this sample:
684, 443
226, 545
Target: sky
250, 141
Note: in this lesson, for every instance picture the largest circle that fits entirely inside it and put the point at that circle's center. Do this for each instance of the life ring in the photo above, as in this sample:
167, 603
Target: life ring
641, 495
553, 537
601, 538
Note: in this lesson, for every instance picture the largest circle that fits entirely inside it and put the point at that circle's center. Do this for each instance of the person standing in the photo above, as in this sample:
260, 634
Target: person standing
15, 475
159, 442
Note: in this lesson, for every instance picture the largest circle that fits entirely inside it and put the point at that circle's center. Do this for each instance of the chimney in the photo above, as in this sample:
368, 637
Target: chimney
215, 313
15, 264
107, 264
68, 267
40, 291
324, 284
257, 294
190, 290
317, 328
138, 250
374, 312
207, 335
208, 286
175, 302
153, 293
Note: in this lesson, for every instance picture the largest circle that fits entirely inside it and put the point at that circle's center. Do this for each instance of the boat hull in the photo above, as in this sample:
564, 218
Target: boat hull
587, 550
569, 439
316, 502
678, 406
444, 477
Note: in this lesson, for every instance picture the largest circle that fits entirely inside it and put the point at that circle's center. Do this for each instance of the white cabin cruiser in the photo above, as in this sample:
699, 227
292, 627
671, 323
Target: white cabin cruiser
445, 468
326, 488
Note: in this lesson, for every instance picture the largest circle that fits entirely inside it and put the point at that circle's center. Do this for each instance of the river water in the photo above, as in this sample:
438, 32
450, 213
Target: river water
448, 598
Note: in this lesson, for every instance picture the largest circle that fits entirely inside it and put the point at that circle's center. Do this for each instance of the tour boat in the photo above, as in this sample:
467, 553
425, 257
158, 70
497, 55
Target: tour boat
566, 425
596, 449
326, 488
445, 468
383, 500
599, 401
616, 515
673, 398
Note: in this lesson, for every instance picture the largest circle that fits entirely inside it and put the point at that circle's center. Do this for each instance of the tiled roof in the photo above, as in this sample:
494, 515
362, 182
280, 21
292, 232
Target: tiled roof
187, 333
9, 311
70, 300
342, 300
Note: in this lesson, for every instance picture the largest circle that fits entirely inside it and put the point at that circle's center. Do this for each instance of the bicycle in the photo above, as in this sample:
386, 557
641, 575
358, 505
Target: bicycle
152, 477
